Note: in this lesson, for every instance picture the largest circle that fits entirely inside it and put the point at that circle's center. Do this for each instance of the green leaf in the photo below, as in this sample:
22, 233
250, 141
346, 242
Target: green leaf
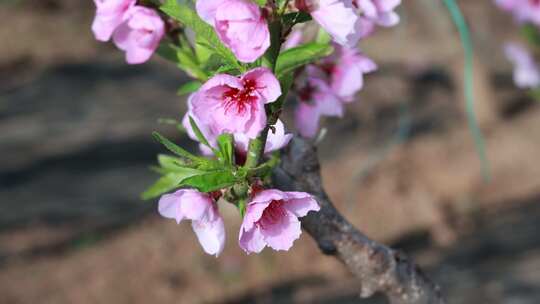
226, 148
204, 32
199, 134
301, 55
531, 34
169, 182
211, 181
189, 87
189, 63
291, 19
174, 148
171, 163
260, 3
323, 36
167, 51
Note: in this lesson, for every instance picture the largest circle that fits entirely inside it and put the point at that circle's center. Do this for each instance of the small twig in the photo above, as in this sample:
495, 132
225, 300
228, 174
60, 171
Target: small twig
380, 268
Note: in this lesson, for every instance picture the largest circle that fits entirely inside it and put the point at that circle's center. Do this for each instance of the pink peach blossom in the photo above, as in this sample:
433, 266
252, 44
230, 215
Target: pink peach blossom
526, 71
271, 219
230, 104
275, 140
523, 10
381, 12
201, 209
239, 24
109, 15
347, 68
328, 86
315, 99
139, 35
337, 17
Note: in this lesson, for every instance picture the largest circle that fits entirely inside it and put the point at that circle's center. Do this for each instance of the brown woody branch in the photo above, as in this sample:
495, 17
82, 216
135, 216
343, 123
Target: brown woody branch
379, 268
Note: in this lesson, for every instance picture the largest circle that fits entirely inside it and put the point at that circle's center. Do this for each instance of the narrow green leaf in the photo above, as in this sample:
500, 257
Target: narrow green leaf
464, 34
189, 87
301, 55
210, 181
204, 32
169, 182
167, 51
260, 3
171, 163
199, 134
226, 148
189, 63
174, 148
323, 36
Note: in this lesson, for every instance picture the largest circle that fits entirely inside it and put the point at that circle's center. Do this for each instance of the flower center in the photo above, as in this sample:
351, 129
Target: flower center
239, 99
272, 214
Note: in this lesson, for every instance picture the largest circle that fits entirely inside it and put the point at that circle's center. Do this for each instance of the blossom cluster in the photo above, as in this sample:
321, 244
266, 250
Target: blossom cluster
523, 10
241, 105
135, 29
526, 70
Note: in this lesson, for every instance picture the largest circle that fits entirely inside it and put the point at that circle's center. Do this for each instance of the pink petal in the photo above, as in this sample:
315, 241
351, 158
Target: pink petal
169, 207
282, 234
307, 119
266, 83
251, 241
277, 140
339, 19
195, 205
211, 234
300, 203
206, 9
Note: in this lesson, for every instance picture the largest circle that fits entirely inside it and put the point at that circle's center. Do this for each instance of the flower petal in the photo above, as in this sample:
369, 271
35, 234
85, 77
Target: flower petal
211, 234
266, 84
282, 234
169, 207
251, 241
300, 203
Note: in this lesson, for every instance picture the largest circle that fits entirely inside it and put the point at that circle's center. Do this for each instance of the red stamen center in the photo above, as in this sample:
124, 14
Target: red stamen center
240, 99
272, 214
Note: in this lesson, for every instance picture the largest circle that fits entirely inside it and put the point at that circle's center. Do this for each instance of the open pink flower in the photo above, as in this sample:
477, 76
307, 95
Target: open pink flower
109, 15
239, 24
315, 99
328, 86
230, 104
271, 219
338, 17
203, 213
346, 71
275, 140
139, 35
380, 12
526, 71
523, 10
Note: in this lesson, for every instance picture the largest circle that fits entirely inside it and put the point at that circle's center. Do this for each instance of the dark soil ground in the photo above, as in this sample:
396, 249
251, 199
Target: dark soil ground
75, 149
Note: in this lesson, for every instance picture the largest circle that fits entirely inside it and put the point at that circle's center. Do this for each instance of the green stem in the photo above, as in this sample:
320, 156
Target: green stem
463, 30
256, 149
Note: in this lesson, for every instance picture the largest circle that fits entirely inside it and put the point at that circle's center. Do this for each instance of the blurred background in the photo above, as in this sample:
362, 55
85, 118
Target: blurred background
75, 148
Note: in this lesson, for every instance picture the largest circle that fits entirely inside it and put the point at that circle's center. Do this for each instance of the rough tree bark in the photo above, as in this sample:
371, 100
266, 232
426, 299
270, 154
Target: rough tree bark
379, 268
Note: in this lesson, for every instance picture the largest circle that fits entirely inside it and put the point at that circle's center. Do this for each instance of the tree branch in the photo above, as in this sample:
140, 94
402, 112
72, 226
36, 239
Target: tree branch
380, 268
